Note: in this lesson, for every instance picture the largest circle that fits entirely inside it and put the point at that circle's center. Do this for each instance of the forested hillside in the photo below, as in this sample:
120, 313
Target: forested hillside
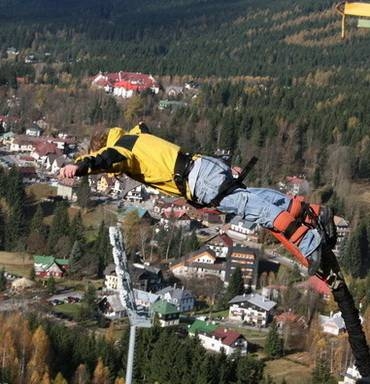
283, 39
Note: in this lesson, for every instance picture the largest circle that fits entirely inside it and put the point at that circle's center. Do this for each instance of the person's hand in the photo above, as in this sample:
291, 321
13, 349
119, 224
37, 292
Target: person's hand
69, 171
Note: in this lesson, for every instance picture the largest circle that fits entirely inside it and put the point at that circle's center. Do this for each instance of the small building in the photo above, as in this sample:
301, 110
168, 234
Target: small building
66, 188
112, 307
34, 131
166, 313
333, 324
253, 309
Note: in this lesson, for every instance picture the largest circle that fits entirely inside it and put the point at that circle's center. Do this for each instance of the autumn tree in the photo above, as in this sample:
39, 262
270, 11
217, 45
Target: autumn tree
101, 373
37, 365
81, 375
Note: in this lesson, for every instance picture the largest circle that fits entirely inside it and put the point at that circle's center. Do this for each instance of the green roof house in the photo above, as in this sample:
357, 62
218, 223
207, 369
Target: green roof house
166, 313
200, 326
47, 266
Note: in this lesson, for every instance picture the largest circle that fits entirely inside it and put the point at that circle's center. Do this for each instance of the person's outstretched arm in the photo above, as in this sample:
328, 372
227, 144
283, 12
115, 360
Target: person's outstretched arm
100, 162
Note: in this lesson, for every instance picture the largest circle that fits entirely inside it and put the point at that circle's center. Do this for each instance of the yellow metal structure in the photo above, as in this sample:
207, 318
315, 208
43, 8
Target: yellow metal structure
352, 9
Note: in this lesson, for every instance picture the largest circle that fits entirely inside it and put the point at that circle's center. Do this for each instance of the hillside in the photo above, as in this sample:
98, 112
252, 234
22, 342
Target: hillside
202, 38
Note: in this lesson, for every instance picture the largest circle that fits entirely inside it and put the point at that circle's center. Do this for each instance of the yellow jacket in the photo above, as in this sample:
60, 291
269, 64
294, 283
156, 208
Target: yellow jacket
142, 156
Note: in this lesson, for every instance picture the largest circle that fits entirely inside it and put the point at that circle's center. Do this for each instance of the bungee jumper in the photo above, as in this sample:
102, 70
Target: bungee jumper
306, 230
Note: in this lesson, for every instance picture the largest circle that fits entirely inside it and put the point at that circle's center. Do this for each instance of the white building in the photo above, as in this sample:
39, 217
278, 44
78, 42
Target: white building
254, 309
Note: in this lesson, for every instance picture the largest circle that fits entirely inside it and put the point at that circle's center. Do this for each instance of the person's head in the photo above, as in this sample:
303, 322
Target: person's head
98, 140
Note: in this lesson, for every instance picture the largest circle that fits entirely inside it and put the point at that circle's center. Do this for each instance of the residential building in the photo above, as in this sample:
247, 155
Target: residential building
182, 298
198, 264
352, 376
66, 188
253, 309
166, 313
333, 324
49, 266
112, 307
216, 339
34, 130
220, 244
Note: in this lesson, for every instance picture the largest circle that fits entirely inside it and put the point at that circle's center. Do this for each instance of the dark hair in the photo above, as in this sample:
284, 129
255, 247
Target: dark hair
98, 140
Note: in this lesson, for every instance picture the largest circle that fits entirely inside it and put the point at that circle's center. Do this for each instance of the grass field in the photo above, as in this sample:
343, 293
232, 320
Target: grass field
294, 370
18, 263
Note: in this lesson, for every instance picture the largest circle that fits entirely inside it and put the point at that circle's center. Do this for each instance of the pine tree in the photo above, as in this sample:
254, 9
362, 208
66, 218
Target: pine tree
59, 230
77, 229
236, 285
273, 343
83, 193
74, 258
249, 370
36, 241
321, 373
102, 249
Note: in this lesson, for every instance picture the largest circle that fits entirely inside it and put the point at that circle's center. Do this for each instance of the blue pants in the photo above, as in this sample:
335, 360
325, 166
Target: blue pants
257, 206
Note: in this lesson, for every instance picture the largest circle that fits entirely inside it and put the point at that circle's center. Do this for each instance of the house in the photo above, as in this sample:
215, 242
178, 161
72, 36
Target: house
178, 218
146, 277
254, 309
220, 244
216, 339
49, 266
23, 143
143, 277
34, 130
352, 376
238, 230
112, 307
110, 278
199, 264
171, 104
67, 188
212, 216
28, 173
182, 298
145, 299
202, 327
45, 153
166, 313
333, 324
